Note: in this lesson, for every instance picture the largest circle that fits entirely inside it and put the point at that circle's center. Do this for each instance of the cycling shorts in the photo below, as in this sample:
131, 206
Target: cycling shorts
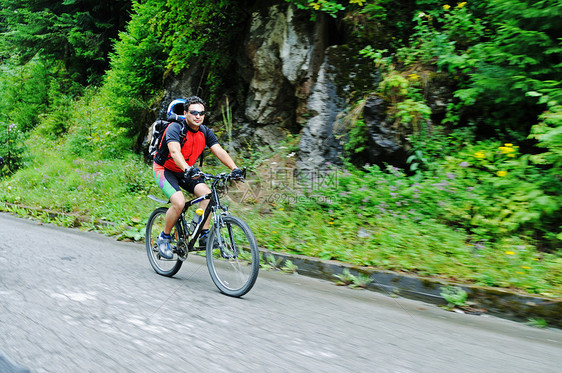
170, 182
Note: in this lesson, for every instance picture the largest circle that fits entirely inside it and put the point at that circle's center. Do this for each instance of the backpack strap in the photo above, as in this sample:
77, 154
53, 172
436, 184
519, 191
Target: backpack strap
163, 154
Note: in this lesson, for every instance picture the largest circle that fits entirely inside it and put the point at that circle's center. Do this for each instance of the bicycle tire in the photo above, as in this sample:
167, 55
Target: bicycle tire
234, 265
155, 225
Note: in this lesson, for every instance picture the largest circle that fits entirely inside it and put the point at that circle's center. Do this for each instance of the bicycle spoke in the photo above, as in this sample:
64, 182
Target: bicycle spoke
162, 266
233, 260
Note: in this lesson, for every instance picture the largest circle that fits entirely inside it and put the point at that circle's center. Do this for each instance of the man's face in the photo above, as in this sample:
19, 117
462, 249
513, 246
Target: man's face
195, 115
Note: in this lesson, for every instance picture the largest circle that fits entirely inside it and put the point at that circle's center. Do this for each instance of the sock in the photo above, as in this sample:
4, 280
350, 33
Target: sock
164, 235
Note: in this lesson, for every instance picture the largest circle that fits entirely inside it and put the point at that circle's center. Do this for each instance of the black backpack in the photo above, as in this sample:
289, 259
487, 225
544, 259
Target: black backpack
174, 114
156, 150
158, 128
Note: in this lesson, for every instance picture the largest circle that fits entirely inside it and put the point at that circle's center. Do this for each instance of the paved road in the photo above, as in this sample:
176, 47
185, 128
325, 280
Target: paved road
80, 302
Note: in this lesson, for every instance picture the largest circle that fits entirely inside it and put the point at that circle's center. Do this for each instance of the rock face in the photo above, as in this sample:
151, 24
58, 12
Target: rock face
385, 145
280, 58
319, 144
294, 77
282, 55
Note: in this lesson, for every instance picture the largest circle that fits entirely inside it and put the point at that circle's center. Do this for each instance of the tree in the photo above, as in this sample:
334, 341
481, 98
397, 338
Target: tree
78, 32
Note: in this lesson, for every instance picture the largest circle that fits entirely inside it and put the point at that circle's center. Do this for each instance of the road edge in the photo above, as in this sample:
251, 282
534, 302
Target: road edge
482, 300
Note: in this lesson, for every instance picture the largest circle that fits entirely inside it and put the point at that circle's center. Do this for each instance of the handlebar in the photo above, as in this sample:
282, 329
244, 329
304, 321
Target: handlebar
224, 176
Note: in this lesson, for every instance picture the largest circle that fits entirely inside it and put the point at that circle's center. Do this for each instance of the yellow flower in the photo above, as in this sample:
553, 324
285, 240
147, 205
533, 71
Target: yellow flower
480, 155
358, 2
315, 6
501, 173
509, 145
525, 267
511, 155
510, 253
274, 231
414, 76
446, 6
460, 5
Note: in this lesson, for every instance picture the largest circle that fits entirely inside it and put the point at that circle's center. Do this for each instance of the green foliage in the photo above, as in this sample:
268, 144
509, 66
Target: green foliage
137, 67
164, 37
394, 87
289, 267
549, 136
356, 129
92, 133
406, 106
269, 261
112, 190
358, 135
77, 33
133, 234
330, 7
517, 58
201, 32
410, 114
11, 140
345, 278
455, 296
24, 92
502, 54
483, 208
27, 94
537, 322
510, 196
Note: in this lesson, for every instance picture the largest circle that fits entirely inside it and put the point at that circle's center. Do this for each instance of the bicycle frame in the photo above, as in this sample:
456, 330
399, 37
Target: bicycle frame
214, 204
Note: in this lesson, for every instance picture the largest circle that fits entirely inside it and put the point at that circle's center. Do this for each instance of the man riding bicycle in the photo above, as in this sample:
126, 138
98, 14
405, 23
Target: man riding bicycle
182, 143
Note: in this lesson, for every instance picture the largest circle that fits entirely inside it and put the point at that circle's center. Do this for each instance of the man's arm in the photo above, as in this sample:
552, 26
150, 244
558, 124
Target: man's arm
223, 156
177, 156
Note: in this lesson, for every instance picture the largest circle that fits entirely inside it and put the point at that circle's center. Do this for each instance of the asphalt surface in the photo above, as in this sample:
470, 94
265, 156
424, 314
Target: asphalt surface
72, 301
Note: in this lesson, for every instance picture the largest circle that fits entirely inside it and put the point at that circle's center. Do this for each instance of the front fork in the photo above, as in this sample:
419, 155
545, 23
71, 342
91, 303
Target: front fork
218, 224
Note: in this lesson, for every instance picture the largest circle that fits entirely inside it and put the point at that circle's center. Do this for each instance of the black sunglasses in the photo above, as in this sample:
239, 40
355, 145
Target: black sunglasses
195, 112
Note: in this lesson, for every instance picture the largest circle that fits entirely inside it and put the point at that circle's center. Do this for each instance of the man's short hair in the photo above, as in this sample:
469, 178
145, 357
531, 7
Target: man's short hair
194, 100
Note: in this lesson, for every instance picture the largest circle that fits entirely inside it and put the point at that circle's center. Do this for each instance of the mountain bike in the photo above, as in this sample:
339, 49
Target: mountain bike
231, 252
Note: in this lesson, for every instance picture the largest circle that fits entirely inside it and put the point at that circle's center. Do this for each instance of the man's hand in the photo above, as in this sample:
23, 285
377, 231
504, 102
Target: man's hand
237, 174
191, 173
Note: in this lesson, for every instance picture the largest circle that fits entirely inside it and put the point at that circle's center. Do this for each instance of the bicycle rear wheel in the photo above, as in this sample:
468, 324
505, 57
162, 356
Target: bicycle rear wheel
155, 225
232, 256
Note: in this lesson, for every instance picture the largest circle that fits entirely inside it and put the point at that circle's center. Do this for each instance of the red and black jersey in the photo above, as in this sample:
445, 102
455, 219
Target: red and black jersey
192, 144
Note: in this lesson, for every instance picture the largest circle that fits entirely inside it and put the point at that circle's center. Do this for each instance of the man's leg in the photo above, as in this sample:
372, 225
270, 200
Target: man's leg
168, 182
178, 202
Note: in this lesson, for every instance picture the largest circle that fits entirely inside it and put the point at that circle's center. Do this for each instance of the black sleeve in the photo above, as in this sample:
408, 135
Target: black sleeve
210, 137
173, 133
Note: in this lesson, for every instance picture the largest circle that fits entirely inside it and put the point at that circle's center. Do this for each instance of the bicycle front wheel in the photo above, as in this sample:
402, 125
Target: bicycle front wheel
232, 256
155, 225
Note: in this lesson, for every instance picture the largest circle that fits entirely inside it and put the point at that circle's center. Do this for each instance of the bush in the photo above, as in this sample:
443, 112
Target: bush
13, 149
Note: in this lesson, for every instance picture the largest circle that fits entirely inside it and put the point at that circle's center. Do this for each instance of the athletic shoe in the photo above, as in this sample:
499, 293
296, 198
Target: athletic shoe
163, 243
